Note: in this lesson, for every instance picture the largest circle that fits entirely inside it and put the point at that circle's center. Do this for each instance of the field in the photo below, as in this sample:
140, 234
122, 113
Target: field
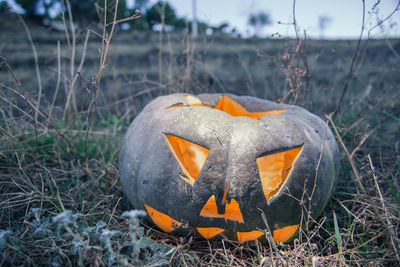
66, 101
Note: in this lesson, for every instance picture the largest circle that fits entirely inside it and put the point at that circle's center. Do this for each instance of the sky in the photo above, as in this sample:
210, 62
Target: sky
345, 16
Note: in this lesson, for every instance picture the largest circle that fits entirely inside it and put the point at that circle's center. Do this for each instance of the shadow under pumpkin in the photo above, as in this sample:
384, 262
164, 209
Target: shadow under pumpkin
273, 170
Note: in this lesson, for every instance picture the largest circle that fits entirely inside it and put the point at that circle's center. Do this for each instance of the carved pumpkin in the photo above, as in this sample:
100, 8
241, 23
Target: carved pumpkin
214, 163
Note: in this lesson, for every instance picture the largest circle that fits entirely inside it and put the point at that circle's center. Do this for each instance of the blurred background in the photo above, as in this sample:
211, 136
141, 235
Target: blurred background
319, 19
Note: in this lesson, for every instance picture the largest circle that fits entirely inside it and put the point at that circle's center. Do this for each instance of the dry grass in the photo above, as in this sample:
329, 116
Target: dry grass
61, 156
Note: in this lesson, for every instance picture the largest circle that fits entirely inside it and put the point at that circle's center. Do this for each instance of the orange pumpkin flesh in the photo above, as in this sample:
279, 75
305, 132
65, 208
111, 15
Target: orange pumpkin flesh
209, 232
232, 210
230, 106
190, 156
233, 108
244, 236
275, 168
284, 234
163, 221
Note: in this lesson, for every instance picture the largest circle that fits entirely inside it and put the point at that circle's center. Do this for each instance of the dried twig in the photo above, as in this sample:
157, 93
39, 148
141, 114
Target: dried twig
294, 20
21, 93
105, 46
71, 99
35, 57
362, 141
389, 225
353, 165
356, 55
270, 238
381, 21
58, 80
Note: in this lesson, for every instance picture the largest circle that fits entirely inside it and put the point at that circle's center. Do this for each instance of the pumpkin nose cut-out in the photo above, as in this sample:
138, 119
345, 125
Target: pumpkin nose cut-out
222, 208
221, 200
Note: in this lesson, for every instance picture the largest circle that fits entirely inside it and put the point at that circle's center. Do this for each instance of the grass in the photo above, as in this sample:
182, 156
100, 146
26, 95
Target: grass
61, 200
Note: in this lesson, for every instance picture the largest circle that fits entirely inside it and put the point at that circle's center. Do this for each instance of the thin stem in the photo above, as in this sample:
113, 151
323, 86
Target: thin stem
71, 99
294, 19
350, 75
58, 80
353, 165
104, 52
37, 69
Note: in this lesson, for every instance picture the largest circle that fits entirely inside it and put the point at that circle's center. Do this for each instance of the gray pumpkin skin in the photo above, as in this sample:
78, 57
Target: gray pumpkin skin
150, 173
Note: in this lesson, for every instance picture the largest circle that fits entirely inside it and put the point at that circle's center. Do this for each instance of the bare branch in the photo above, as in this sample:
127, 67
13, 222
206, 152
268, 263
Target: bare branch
357, 176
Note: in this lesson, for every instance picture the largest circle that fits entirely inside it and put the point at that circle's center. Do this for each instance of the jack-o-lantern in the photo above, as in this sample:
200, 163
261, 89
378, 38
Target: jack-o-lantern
214, 163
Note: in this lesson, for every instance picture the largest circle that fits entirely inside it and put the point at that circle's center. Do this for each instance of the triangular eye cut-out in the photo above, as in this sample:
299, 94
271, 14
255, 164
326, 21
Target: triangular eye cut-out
274, 169
190, 156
